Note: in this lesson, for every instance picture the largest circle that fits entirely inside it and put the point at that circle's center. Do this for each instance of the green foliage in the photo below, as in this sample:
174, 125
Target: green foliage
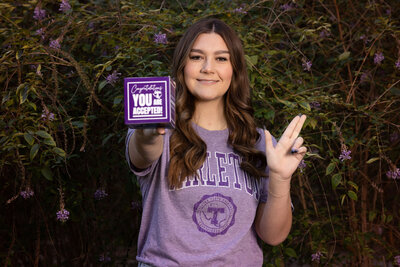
62, 131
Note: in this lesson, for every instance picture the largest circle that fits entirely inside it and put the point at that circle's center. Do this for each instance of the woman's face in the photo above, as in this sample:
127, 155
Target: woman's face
208, 69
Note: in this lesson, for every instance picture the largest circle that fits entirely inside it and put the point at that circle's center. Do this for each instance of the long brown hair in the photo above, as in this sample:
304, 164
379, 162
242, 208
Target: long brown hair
187, 150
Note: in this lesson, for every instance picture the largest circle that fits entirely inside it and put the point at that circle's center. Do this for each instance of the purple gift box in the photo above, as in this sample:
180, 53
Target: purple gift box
149, 102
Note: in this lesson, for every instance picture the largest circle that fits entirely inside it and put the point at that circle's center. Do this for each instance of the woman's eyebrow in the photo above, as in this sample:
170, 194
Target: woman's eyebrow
216, 52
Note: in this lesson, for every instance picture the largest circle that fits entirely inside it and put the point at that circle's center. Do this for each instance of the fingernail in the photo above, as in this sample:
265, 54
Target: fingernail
294, 150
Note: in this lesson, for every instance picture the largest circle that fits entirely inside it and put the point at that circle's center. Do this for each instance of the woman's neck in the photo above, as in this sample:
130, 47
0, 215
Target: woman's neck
210, 116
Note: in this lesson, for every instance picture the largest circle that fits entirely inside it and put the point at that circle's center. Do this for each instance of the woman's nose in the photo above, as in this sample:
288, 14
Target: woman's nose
207, 66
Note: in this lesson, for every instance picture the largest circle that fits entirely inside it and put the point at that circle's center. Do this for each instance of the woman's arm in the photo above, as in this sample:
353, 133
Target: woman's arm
274, 218
145, 146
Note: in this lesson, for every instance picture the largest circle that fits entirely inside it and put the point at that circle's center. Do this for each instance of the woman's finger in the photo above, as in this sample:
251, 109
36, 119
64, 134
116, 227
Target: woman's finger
299, 125
302, 150
161, 130
268, 140
297, 143
287, 134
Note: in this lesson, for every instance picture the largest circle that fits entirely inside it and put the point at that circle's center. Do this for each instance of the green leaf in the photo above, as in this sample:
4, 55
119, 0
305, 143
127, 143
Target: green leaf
78, 124
305, 105
288, 103
352, 195
105, 140
312, 122
270, 115
102, 84
19, 54
330, 168
371, 216
34, 151
5, 98
395, 91
251, 60
344, 55
118, 100
44, 134
354, 185
336, 180
59, 152
47, 173
29, 138
24, 95
371, 160
290, 252
49, 141
342, 198
19, 88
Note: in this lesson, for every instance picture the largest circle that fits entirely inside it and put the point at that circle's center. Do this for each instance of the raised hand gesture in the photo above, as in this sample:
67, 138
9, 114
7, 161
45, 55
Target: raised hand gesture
284, 158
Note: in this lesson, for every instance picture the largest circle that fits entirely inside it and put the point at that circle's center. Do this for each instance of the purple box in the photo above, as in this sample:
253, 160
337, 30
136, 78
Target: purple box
149, 102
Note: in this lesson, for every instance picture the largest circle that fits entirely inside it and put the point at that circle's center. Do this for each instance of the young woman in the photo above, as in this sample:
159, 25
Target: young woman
215, 183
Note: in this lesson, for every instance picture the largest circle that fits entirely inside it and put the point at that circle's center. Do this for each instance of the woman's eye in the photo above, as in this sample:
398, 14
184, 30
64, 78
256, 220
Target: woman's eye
194, 57
222, 59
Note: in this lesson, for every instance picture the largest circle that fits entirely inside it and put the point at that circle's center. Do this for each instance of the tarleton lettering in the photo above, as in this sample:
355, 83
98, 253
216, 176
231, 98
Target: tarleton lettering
226, 173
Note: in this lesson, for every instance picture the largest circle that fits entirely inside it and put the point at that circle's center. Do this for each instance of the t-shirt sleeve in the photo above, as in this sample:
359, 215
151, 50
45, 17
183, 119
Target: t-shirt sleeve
138, 172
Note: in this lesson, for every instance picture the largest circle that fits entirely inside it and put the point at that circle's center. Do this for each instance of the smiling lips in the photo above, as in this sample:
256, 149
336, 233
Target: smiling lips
205, 81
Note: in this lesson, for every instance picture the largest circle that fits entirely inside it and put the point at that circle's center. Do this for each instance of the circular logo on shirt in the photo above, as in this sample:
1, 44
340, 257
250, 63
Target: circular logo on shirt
214, 214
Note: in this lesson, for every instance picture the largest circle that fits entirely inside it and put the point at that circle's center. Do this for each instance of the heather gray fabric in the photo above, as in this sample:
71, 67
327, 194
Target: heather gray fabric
209, 221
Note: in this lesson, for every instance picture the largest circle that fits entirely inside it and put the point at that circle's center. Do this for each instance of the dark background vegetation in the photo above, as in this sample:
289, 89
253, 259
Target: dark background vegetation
62, 131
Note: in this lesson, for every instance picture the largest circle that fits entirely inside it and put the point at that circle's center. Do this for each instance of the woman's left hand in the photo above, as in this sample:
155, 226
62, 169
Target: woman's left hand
282, 162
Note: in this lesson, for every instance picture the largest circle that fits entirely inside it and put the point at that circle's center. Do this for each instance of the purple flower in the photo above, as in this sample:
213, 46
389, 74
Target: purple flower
324, 33
27, 193
112, 78
302, 165
103, 258
378, 58
240, 10
63, 215
307, 65
397, 260
394, 137
315, 105
345, 155
47, 116
39, 13
55, 44
395, 174
160, 38
100, 194
286, 7
65, 6
397, 64
316, 256
40, 32
365, 77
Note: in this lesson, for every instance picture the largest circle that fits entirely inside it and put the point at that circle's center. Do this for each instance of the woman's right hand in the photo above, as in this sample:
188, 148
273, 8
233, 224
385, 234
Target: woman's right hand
151, 131
145, 146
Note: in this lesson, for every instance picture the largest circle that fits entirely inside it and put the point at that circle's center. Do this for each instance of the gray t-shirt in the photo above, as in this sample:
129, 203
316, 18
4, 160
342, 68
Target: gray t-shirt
207, 222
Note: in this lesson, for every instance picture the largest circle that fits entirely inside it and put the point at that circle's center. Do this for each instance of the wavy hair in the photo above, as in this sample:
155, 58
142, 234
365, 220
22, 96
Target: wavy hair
187, 150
